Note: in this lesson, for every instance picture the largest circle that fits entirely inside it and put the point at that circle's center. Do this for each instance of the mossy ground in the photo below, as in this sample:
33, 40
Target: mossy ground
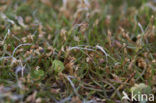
76, 51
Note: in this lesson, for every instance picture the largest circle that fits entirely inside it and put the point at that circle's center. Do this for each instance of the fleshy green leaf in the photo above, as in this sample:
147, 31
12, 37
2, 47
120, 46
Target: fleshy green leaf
37, 74
58, 66
141, 88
